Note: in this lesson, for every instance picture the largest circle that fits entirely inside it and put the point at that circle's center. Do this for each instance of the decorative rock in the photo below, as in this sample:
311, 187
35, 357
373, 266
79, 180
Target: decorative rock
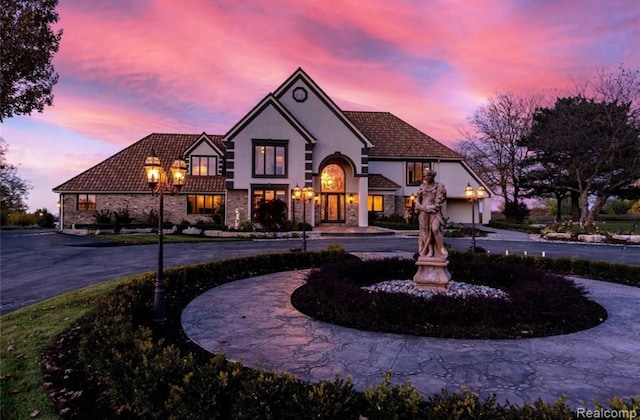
591, 238
125, 231
558, 235
456, 289
192, 231
635, 239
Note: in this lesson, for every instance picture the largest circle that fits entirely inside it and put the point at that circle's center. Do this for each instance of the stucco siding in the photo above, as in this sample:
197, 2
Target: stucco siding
268, 125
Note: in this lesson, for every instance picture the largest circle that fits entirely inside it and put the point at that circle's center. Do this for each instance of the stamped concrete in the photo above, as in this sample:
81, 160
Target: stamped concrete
253, 321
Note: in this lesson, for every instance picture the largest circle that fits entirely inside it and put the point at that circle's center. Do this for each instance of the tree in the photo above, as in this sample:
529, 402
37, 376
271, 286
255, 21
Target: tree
28, 43
598, 143
492, 147
44, 218
13, 189
271, 214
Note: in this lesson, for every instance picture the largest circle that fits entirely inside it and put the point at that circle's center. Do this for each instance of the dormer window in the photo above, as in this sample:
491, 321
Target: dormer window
204, 165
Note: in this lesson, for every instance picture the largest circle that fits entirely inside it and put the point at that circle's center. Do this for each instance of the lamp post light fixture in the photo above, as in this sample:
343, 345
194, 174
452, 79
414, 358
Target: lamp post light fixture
473, 196
159, 183
303, 194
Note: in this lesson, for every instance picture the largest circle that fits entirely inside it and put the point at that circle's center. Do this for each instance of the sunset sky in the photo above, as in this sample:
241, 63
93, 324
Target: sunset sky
131, 68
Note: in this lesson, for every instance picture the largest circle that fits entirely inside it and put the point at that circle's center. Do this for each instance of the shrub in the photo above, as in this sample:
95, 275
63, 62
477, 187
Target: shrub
516, 212
22, 219
122, 216
102, 217
271, 214
150, 218
45, 219
539, 303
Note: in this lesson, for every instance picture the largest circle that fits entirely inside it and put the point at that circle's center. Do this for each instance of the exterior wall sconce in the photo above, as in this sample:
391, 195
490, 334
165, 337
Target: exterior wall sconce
350, 199
473, 197
158, 182
317, 199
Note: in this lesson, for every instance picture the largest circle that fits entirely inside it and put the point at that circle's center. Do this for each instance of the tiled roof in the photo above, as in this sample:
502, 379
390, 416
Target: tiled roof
381, 182
394, 138
124, 171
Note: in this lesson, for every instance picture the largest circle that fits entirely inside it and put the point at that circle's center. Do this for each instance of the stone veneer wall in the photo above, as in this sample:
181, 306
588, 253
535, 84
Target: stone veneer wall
237, 199
175, 208
389, 204
399, 202
351, 212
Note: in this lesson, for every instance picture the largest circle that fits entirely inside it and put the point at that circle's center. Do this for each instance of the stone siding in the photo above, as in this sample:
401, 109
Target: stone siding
237, 199
389, 202
175, 208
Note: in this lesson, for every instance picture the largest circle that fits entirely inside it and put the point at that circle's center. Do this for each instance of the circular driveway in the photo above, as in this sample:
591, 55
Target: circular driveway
253, 321
37, 265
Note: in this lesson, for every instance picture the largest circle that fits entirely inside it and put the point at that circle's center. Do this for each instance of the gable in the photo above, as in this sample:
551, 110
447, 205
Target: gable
317, 105
269, 103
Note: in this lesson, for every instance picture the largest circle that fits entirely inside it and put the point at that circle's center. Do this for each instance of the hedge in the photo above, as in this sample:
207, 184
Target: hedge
130, 368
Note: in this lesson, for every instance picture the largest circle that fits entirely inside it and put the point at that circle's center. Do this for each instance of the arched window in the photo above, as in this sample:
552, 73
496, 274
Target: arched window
332, 178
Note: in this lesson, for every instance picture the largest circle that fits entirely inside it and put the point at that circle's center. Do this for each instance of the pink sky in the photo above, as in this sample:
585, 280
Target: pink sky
128, 69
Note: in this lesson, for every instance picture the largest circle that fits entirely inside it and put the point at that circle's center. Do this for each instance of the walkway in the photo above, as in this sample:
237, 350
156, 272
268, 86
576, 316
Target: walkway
252, 321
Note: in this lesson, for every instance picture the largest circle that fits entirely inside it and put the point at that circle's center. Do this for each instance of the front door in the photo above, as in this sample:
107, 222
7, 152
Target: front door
333, 208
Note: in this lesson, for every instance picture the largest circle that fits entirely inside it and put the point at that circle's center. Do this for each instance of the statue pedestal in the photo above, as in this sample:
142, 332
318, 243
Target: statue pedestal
432, 275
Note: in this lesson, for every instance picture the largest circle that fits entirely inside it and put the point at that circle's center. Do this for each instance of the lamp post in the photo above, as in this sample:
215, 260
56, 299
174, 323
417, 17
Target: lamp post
473, 196
303, 194
159, 183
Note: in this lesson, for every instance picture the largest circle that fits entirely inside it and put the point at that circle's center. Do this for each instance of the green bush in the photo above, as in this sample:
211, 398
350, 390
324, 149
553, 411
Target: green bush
22, 219
521, 227
45, 219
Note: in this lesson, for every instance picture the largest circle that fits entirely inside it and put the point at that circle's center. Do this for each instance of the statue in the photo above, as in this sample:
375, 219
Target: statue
432, 263
431, 197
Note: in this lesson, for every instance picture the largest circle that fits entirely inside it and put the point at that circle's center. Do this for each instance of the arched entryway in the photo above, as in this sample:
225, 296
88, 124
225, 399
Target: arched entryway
332, 194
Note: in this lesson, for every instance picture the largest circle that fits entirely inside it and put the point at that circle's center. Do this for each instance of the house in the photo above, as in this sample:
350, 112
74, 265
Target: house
354, 162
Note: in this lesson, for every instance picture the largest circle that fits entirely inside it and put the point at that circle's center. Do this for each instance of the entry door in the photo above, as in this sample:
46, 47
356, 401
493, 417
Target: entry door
333, 207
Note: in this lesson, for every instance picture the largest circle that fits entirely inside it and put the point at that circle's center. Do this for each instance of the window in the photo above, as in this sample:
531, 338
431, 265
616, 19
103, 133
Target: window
204, 165
332, 178
268, 194
415, 171
86, 202
270, 158
204, 204
375, 203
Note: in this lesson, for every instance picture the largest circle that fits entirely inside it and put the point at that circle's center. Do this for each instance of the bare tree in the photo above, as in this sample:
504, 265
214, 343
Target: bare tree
491, 143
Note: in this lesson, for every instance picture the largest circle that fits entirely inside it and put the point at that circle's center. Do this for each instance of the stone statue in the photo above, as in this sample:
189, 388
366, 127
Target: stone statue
431, 197
432, 261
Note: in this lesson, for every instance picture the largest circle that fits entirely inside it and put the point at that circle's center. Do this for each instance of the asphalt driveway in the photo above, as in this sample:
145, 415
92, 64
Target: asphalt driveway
37, 265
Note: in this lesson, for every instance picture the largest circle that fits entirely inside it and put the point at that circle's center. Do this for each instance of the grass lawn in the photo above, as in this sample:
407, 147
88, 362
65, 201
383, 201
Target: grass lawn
622, 227
152, 238
24, 336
